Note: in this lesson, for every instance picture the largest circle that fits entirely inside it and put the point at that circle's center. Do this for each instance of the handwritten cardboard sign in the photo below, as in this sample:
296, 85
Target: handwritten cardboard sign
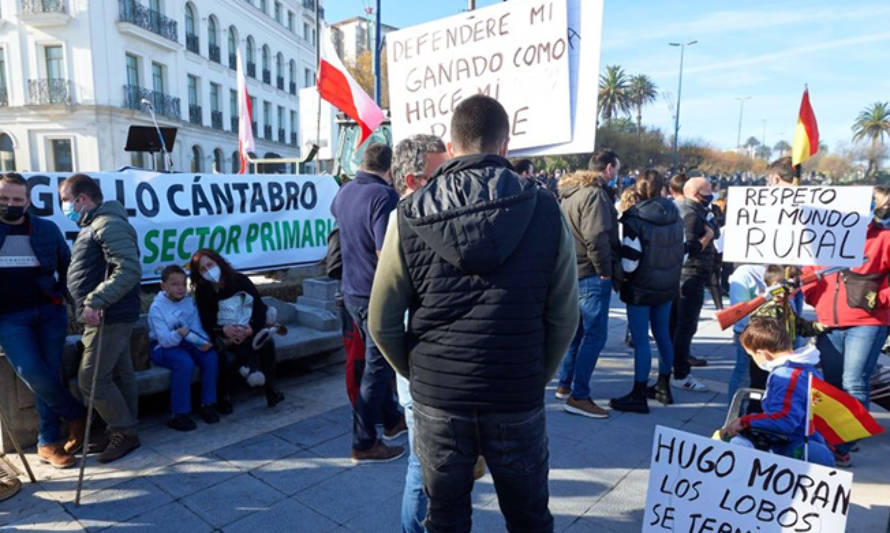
797, 225
697, 484
516, 52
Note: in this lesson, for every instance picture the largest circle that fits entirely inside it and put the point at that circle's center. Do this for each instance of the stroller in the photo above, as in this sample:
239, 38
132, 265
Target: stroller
742, 402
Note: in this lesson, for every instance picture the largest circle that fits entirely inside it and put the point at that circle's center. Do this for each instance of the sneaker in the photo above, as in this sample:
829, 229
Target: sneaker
585, 408
689, 383
695, 361
208, 414
9, 487
182, 423
55, 456
76, 429
378, 453
224, 407
563, 393
273, 398
396, 431
119, 445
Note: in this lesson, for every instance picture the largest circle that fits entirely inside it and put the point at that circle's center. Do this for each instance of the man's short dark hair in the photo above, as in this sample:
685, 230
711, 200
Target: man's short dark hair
524, 165
677, 182
377, 158
15, 178
479, 125
602, 159
782, 167
82, 184
169, 270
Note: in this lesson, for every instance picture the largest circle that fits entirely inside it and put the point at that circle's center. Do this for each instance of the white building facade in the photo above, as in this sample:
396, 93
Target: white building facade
74, 73
354, 36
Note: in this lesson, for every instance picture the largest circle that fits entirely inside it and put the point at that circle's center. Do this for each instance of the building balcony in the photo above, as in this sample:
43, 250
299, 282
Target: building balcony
196, 115
4, 97
42, 13
213, 53
233, 122
233, 61
293, 88
50, 92
164, 105
147, 24
216, 120
251, 69
293, 138
192, 44
279, 82
281, 136
267, 132
267, 76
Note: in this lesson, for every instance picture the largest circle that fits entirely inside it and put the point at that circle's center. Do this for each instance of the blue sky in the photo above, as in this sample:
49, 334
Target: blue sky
763, 49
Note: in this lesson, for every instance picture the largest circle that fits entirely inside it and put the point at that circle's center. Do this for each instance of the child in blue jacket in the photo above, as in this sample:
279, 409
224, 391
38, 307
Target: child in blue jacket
784, 417
178, 342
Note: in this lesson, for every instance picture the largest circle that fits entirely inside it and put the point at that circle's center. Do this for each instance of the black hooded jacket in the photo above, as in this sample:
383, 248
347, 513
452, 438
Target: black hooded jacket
653, 243
480, 246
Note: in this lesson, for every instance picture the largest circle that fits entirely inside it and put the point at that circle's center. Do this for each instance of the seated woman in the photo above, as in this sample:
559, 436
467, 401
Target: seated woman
233, 313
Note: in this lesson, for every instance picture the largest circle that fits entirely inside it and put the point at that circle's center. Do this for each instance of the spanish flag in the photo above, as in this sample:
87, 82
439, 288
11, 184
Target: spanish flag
838, 416
806, 134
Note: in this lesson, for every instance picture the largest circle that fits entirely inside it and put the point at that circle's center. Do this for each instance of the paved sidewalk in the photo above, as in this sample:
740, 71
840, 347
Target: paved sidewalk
288, 469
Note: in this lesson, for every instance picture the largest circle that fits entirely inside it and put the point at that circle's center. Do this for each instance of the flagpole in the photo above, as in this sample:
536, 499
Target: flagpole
318, 38
806, 435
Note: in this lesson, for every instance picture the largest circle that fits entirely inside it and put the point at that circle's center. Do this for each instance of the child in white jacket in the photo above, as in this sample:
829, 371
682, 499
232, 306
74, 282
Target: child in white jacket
178, 342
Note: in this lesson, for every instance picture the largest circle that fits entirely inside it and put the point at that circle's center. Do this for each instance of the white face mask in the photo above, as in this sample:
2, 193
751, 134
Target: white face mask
212, 274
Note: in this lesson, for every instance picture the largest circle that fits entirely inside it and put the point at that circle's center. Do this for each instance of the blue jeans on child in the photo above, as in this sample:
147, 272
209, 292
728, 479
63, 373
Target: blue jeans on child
577, 366
817, 453
414, 501
33, 341
181, 361
739, 377
639, 318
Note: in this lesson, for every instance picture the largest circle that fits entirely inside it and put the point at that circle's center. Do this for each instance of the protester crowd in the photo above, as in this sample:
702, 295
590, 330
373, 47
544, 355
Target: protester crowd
468, 282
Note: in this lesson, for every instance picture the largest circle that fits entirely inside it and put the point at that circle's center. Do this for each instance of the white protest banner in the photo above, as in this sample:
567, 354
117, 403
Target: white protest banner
257, 222
697, 484
516, 52
823, 226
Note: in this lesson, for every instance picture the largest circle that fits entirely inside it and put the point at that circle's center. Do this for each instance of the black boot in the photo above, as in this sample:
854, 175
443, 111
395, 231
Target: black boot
661, 391
634, 402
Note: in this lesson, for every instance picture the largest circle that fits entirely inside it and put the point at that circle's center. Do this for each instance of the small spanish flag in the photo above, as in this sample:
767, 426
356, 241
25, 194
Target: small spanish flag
806, 134
838, 416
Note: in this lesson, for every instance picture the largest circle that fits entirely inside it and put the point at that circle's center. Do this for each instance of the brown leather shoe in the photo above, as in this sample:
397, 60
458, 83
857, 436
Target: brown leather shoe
479, 468
378, 453
119, 445
9, 487
55, 456
396, 431
585, 408
76, 429
562, 393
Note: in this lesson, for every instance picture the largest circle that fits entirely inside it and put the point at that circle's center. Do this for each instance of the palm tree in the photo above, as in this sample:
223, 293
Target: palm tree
764, 152
751, 144
641, 91
873, 123
613, 99
782, 148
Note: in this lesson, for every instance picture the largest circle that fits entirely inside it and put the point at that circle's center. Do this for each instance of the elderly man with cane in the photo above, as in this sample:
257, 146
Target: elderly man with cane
104, 281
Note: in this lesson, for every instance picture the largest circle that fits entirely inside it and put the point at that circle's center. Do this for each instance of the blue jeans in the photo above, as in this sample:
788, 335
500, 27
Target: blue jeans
848, 357
414, 500
33, 341
639, 317
375, 404
739, 377
181, 361
580, 360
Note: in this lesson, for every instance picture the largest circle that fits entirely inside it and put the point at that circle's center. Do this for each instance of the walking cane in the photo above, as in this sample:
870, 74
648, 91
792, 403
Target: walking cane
18, 449
86, 433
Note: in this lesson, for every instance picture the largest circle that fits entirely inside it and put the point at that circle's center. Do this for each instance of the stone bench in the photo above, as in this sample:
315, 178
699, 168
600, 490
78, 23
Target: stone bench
313, 329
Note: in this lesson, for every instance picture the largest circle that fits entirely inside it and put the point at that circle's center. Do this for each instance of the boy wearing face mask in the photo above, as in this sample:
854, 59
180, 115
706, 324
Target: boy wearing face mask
33, 259
178, 342
784, 416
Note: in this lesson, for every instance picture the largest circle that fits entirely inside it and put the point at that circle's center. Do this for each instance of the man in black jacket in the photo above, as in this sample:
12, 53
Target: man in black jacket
484, 265
701, 253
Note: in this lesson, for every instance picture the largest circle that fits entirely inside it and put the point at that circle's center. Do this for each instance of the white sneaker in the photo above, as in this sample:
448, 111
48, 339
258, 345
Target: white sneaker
689, 383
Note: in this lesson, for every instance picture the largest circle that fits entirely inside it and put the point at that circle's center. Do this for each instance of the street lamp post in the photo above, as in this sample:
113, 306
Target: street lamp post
679, 91
738, 139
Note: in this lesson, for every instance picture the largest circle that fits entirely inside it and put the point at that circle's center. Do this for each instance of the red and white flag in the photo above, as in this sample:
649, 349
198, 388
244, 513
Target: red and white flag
245, 114
339, 88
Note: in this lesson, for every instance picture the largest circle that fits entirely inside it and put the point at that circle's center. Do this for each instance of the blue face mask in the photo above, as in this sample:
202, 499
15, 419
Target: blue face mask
69, 212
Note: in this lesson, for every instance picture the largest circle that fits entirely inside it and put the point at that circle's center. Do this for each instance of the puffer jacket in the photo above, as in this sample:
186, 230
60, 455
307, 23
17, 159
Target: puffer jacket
107, 243
592, 217
652, 252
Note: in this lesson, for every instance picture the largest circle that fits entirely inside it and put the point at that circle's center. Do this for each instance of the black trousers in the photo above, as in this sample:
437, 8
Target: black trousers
686, 312
234, 356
